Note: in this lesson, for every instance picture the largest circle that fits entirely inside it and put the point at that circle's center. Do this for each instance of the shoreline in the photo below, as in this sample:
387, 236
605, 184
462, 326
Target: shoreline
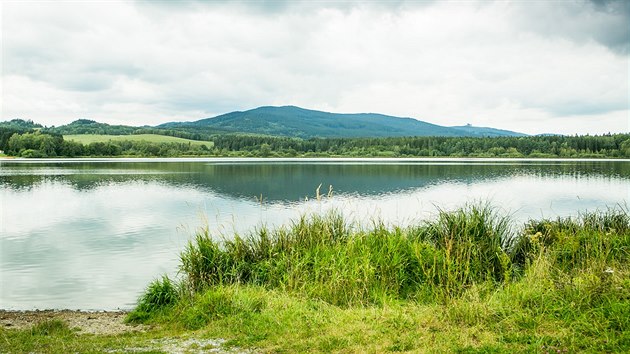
85, 322
337, 159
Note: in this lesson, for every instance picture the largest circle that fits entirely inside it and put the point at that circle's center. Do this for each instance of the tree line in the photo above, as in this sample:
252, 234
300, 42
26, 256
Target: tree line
24, 141
602, 146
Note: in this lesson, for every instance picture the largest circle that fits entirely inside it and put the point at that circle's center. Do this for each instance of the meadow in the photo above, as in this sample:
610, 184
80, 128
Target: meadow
468, 281
151, 138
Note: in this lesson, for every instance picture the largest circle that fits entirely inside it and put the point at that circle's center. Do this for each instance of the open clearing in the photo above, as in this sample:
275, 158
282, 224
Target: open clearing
152, 138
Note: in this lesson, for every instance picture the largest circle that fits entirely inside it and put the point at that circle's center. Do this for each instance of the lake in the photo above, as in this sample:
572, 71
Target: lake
92, 233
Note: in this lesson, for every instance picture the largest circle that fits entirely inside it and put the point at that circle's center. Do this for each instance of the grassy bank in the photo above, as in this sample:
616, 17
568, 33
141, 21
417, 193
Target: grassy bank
468, 281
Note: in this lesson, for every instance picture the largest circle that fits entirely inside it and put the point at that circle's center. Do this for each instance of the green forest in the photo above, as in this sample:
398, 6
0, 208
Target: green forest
604, 146
26, 139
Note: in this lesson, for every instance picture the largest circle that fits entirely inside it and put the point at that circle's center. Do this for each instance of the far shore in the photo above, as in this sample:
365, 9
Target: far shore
309, 159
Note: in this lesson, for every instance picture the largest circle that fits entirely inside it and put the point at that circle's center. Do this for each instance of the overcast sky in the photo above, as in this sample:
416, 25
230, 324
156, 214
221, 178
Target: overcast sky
530, 66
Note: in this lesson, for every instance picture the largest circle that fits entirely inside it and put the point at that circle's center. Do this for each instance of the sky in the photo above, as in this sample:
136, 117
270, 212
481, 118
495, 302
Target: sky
530, 66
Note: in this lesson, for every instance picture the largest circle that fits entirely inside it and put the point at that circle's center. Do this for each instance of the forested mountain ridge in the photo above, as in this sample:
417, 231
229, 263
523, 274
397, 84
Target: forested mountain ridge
291, 121
258, 133
286, 121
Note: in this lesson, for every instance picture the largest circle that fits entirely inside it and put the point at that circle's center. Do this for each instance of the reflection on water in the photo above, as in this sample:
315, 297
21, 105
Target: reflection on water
91, 235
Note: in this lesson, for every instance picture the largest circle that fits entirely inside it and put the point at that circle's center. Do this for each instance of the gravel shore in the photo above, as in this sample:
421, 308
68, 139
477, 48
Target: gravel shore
107, 322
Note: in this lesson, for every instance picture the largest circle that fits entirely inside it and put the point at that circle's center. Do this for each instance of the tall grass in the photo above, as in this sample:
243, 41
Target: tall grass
467, 244
549, 285
160, 294
599, 239
323, 257
460, 252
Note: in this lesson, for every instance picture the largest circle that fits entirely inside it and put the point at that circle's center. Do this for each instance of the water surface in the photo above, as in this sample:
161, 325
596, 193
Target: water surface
91, 234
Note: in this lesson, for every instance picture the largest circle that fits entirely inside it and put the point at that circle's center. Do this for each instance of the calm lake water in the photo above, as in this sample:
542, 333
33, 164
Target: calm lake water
91, 234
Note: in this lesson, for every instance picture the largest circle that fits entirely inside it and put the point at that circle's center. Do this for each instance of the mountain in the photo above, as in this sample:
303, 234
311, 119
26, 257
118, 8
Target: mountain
304, 123
289, 121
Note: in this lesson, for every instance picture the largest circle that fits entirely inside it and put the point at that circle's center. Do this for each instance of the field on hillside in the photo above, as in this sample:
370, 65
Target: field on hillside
153, 138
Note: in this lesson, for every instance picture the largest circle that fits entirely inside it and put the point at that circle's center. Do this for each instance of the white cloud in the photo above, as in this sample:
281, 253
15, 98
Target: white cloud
554, 67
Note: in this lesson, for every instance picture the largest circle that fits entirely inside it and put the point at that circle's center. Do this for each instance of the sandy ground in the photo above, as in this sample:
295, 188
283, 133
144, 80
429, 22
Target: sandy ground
86, 322
112, 323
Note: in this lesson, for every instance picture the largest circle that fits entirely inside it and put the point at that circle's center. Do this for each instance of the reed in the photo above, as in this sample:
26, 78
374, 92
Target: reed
600, 238
471, 262
469, 246
324, 257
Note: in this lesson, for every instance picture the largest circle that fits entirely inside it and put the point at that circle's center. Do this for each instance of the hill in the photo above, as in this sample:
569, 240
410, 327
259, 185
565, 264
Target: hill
286, 121
90, 127
20, 124
298, 122
87, 126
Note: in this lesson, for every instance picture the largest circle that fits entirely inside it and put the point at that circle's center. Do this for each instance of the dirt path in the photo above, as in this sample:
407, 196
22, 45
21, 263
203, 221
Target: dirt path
87, 322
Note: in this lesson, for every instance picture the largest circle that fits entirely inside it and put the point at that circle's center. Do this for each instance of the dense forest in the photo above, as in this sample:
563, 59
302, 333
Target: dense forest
26, 139
617, 145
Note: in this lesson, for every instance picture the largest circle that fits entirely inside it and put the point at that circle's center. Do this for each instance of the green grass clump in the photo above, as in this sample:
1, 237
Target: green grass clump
596, 239
325, 258
160, 294
51, 327
471, 242
218, 303
48, 336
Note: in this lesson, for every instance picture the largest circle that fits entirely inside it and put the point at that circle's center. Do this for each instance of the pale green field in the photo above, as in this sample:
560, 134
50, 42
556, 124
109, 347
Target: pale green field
153, 138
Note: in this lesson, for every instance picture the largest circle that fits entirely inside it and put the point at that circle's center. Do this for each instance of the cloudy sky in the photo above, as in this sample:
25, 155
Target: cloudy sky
530, 66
